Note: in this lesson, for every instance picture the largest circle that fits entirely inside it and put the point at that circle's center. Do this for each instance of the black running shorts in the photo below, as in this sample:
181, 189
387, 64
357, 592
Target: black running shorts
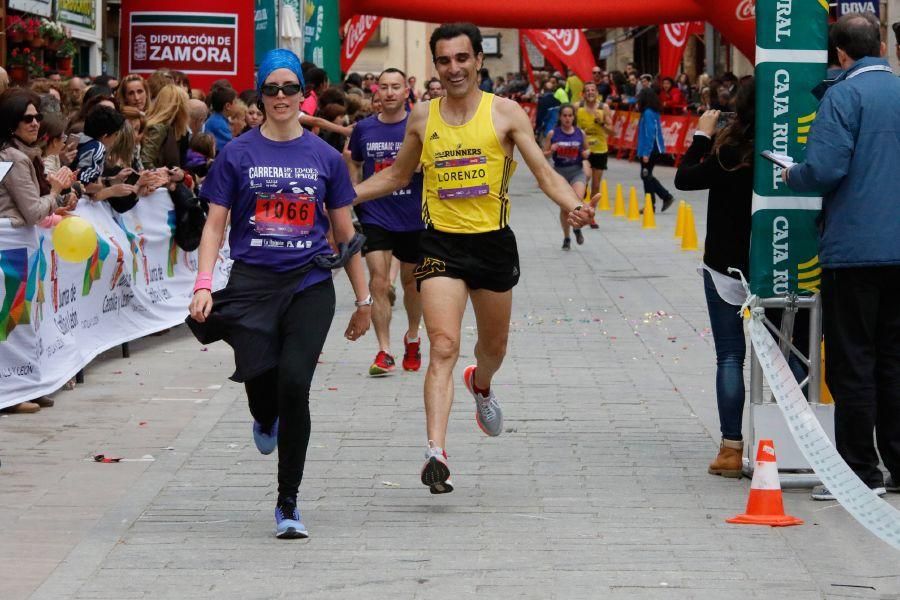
402, 244
598, 160
487, 261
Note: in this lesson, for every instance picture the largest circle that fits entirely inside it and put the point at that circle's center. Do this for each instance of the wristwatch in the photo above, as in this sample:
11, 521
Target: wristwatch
367, 302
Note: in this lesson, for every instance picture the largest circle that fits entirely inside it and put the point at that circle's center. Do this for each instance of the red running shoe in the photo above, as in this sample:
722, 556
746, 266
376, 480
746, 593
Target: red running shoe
412, 358
383, 365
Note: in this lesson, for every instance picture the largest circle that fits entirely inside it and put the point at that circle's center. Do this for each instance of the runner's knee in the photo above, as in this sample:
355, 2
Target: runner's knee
443, 347
379, 286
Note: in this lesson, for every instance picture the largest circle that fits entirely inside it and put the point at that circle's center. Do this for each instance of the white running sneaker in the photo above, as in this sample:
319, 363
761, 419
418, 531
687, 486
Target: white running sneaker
488, 413
435, 471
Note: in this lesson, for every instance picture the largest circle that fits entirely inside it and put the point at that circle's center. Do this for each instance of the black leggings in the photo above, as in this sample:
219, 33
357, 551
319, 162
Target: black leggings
652, 185
283, 392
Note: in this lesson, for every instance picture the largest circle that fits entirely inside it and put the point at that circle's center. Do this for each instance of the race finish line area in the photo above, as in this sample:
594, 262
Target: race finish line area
259, 263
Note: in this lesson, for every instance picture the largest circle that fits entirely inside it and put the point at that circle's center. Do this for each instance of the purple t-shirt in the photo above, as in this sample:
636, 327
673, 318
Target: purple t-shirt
568, 147
375, 145
278, 193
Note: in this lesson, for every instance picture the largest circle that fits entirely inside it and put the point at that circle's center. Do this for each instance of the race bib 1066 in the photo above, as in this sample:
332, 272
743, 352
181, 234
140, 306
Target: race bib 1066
285, 214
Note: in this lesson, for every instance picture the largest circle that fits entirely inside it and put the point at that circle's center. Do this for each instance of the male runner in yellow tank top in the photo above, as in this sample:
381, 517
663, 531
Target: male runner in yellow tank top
465, 143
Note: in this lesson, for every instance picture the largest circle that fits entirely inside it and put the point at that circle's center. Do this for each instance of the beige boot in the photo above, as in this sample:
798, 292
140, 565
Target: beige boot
729, 462
23, 408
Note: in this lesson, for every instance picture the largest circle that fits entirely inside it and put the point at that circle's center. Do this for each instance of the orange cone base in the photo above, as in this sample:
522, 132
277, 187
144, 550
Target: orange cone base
772, 520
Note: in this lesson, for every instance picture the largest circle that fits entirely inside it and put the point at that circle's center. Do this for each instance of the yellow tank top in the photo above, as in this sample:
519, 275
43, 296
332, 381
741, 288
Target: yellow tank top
596, 135
467, 173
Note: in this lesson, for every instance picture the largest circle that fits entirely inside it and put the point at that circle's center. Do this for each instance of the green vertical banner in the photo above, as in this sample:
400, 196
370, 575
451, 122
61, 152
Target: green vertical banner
791, 56
321, 39
265, 17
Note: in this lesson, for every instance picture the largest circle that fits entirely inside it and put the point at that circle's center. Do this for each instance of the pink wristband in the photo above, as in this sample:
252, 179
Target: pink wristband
203, 282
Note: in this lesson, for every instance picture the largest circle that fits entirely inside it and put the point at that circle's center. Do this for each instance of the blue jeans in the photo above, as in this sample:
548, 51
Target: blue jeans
731, 348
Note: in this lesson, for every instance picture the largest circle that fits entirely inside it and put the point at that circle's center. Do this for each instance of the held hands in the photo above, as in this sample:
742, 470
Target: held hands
201, 304
707, 122
581, 216
359, 323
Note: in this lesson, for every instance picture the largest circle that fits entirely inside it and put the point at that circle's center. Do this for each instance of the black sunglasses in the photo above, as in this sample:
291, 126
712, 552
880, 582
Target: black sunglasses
289, 89
29, 119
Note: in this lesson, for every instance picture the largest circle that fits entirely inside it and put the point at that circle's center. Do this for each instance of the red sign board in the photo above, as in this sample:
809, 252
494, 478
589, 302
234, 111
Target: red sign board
213, 40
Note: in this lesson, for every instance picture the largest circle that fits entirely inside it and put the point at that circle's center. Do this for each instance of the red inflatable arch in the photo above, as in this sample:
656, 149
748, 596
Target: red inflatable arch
733, 18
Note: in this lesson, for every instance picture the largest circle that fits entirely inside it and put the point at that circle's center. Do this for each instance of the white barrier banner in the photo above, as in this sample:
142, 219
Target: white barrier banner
872, 512
56, 316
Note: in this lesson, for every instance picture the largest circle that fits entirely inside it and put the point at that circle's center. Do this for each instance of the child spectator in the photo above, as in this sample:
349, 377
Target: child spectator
221, 102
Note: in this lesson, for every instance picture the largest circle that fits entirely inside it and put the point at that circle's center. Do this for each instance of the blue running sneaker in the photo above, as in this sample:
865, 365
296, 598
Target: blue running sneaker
266, 441
288, 525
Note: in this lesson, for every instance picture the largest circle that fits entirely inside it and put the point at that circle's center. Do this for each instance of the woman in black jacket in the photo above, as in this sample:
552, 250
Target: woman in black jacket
722, 162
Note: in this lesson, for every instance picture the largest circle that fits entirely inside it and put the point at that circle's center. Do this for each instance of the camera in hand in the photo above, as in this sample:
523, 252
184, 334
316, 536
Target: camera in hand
725, 119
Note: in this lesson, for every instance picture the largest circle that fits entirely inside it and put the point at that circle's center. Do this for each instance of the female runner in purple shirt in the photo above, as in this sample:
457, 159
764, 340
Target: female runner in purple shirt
282, 186
568, 147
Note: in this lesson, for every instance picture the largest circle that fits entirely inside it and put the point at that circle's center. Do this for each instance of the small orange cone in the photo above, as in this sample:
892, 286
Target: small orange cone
634, 213
619, 210
765, 506
604, 195
649, 215
679, 222
689, 235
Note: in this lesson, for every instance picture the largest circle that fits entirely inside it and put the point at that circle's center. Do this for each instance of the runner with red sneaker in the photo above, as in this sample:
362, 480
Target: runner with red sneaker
465, 142
392, 224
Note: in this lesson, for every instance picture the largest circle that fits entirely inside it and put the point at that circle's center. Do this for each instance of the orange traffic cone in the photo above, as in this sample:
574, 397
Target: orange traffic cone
619, 210
604, 195
634, 213
689, 234
679, 222
649, 215
765, 506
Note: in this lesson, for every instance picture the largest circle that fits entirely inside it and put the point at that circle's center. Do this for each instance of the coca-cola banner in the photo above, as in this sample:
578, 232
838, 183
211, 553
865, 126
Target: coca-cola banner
672, 42
204, 40
356, 34
570, 46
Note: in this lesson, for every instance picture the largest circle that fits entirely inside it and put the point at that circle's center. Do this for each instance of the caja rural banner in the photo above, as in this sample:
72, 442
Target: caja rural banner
790, 62
206, 39
56, 316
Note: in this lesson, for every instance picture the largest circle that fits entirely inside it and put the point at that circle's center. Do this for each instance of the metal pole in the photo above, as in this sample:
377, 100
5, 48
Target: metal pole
815, 350
709, 40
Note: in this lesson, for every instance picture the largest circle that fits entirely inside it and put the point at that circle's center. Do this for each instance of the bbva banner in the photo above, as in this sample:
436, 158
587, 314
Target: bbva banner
56, 316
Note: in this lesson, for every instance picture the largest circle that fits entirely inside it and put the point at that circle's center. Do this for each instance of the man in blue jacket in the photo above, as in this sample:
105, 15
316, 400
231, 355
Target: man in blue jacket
853, 159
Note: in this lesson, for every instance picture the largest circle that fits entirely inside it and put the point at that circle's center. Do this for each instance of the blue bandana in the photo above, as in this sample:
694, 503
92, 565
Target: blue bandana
280, 58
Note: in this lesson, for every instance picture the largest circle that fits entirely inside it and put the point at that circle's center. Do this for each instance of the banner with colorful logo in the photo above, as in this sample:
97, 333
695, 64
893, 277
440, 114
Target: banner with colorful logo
357, 32
673, 39
206, 41
321, 41
790, 61
56, 316
569, 46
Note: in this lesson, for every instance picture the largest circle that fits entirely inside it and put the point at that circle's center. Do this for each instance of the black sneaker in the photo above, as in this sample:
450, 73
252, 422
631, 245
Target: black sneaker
579, 238
567, 244
667, 202
891, 485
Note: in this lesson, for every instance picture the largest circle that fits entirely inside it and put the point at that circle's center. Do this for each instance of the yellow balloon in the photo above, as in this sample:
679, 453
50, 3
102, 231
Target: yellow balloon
74, 239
